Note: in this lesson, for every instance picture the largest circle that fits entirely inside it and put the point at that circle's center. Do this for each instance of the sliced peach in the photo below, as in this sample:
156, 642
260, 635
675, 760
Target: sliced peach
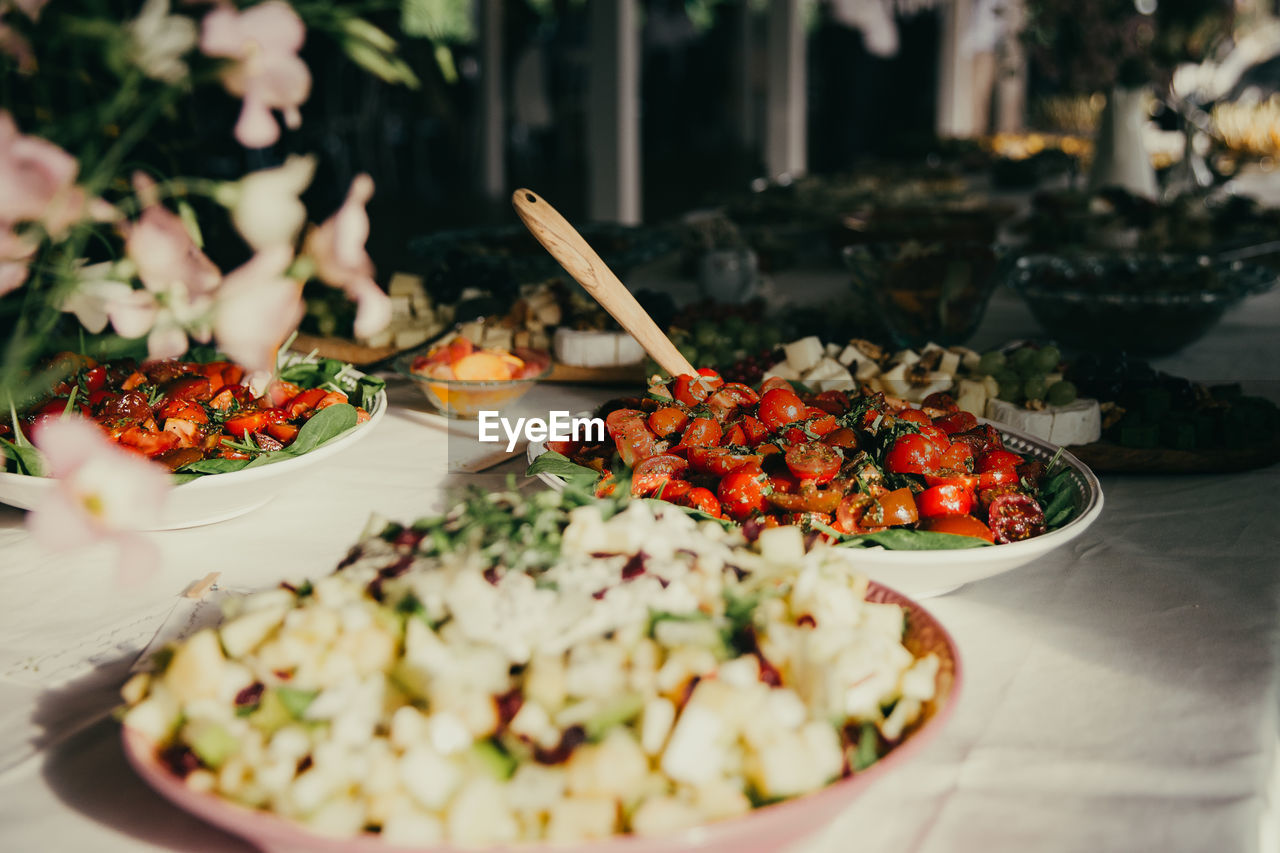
482, 366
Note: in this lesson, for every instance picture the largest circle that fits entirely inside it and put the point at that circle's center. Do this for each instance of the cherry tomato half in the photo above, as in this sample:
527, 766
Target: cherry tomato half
960, 525
656, 471
701, 499
914, 416
692, 390
946, 499
912, 454
741, 493
779, 407
720, 460
701, 432
1015, 517
896, 507
955, 422
997, 458
813, 461
667, 420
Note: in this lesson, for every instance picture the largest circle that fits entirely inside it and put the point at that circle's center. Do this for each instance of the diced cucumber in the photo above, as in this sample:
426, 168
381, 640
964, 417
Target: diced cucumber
492, 759
616, 713
211, 743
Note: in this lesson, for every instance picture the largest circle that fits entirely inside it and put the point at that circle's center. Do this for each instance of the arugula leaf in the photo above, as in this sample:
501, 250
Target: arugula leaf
901, 539
26, 458
559, 465
1058, 499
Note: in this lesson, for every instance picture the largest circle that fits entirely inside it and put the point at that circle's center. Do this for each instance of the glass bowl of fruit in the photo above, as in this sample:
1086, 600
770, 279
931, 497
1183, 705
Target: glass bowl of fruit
924, 291
462, 380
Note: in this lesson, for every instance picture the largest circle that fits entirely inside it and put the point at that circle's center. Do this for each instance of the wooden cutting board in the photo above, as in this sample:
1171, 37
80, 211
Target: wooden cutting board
1105, 457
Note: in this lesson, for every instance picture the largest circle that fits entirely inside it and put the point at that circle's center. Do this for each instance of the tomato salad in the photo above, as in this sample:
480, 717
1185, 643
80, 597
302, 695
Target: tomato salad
837, 463
182, 413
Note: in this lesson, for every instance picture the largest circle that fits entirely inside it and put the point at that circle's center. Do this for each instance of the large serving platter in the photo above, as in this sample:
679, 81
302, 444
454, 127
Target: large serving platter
215, 497
769, 828
924, 574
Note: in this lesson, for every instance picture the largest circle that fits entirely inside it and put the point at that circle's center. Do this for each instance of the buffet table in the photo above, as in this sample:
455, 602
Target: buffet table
1119, 694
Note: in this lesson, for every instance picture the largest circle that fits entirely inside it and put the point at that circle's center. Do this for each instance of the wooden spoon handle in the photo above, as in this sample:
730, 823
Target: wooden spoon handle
568, 247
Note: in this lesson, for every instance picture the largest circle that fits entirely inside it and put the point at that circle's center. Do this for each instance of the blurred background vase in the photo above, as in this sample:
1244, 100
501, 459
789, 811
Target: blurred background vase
1120, 154
729, 275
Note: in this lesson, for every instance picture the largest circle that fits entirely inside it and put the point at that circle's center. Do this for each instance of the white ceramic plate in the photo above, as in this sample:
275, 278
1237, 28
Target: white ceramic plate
923, 574
215, 497
765, 829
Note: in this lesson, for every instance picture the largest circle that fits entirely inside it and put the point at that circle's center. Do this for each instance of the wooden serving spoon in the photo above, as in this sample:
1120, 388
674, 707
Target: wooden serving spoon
573, 252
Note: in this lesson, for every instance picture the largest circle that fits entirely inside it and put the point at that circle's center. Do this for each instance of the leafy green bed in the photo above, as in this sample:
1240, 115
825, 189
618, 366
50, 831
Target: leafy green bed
1057, 497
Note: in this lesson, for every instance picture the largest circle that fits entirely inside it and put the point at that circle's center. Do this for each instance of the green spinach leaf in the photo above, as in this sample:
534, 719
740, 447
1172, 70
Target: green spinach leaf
559, 465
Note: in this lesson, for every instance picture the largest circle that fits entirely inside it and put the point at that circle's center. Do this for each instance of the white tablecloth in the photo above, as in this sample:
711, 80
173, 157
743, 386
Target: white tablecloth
1120, 694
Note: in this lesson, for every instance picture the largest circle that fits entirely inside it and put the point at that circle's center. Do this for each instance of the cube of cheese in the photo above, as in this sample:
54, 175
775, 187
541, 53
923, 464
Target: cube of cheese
803, 354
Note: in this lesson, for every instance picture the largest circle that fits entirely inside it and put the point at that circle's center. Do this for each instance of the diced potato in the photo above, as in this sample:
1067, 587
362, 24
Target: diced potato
664, 815
195, 671
429, 777
479, 814
580, 818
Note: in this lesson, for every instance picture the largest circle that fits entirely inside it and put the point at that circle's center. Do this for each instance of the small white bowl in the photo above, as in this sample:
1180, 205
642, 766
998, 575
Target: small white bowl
214, 497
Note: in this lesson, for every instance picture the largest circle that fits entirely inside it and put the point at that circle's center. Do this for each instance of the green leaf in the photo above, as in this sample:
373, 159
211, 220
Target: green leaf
368, 388
212, 466
1058, 499
902, 539
326, 424
560, 465
26, 458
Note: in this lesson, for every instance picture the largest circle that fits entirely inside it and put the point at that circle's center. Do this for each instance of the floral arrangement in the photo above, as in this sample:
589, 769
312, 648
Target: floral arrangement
100, 248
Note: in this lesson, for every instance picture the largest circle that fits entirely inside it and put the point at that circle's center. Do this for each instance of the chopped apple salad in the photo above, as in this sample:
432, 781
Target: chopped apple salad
527, 669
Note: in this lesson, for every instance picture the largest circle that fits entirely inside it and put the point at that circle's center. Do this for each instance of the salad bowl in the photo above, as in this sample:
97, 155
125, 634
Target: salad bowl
929, 573
767, 828
212, 498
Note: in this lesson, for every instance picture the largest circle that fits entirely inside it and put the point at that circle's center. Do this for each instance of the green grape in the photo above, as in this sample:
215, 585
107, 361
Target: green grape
1047, 358
769, 336
991, 362
1035, 388
1061, 393
733, 326
1011, 391
1022, 360
1005, 376
690, 352
749, 339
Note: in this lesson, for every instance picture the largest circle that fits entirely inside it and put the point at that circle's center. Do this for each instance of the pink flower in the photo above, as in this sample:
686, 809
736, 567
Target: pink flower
37, 181
15, 253
337, 249
100, 492
15, 45
31, 8
257, 307
162, 249
263, 42
178, 281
